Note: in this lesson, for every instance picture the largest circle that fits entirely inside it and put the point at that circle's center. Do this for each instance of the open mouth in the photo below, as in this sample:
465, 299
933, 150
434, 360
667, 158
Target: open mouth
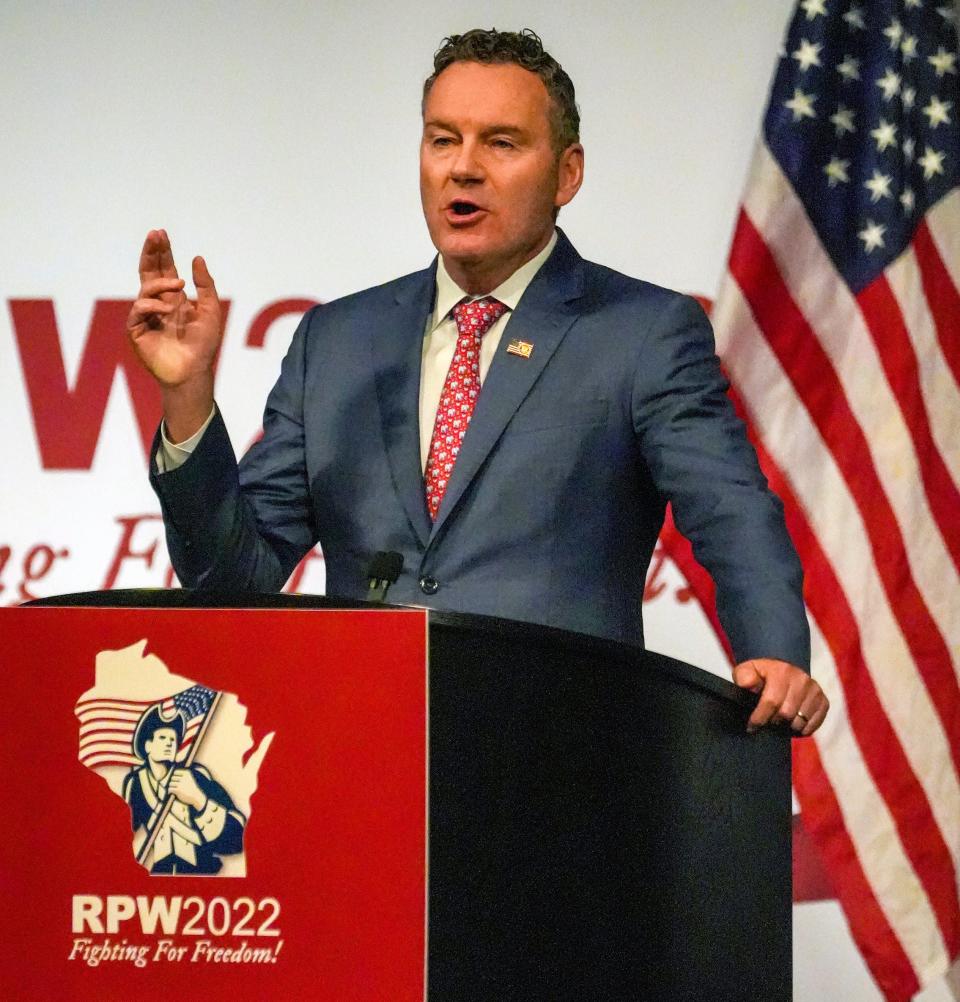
463, 208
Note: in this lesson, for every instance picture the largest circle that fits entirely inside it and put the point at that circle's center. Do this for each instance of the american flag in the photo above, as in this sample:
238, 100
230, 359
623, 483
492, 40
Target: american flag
107, 726
838, 321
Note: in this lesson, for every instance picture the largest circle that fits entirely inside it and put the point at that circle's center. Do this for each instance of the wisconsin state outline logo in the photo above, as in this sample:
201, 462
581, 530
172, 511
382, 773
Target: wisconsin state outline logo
182, 757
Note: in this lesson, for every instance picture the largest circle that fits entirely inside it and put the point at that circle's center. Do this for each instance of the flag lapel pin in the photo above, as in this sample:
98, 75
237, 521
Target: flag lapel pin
522, 348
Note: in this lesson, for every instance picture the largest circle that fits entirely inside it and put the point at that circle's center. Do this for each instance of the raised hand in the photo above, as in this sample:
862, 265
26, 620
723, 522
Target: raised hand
175, 338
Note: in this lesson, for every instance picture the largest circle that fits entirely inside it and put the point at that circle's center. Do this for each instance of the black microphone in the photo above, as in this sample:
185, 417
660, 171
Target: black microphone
384, 569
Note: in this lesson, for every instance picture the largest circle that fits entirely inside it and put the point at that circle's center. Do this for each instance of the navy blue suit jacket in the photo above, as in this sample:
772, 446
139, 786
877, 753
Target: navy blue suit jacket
559, 490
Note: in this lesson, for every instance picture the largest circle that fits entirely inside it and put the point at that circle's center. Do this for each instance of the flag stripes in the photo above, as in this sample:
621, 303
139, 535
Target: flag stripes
107, 727
817, 494
807, 366
844, 337
887, 325
845, 340
873, 769
941, 394
879, 944
895, 777
942, 295
940, 227
900, 743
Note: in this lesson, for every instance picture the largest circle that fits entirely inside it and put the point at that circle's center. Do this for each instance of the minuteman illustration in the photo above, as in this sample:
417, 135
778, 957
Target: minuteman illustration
189, 819
181, 754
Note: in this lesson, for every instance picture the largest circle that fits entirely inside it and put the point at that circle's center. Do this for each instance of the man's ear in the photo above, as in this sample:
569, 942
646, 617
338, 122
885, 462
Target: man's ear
569, 174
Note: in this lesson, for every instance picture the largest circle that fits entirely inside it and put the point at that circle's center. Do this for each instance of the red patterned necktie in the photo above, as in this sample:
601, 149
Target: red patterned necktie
459, 397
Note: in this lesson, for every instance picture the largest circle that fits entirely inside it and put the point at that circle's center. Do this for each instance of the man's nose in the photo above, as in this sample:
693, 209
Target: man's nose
467, 166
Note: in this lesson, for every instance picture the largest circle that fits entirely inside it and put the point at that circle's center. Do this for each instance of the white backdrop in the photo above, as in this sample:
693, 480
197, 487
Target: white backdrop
281, 142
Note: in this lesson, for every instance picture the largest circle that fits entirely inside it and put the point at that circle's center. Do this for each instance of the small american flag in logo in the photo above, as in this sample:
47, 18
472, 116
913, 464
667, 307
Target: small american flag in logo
107, 725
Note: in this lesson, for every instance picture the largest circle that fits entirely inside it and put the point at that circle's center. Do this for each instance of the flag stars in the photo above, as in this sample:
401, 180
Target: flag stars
937, 110
849, 69
836, 172
916, 4
890, 83
879, 186
885, 134
908, 201
908, 47
894, 32
948, 13
801, 105
909, 98
854, 19
909, 149
808, 54
943, 61
931, 162
814, 8
872, 236
842, 120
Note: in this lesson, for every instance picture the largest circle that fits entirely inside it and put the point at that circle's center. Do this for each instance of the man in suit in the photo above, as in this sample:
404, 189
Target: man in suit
601, 400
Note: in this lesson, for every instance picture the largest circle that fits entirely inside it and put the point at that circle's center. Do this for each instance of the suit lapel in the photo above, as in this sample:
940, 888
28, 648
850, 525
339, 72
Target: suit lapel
543, 316
397, 351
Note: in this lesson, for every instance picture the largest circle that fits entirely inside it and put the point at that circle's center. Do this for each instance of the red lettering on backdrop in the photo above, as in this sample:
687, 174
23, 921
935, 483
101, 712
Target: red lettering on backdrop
68, 421
36, 565
264, 320
125, 550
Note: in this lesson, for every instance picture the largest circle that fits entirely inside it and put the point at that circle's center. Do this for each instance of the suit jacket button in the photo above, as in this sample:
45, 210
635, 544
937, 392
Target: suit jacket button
429, 586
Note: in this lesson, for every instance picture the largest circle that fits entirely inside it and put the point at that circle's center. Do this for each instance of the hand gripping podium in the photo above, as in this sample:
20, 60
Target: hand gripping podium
278, 797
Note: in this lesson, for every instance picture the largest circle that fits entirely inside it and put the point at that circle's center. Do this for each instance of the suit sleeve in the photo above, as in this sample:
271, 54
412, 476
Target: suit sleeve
243, 527
701, 461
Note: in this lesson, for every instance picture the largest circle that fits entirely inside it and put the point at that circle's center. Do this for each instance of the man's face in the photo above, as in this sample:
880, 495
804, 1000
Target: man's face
490, 177
162, 746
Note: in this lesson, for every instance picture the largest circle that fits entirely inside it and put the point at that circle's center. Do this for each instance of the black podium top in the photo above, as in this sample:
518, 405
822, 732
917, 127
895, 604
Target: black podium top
508, 629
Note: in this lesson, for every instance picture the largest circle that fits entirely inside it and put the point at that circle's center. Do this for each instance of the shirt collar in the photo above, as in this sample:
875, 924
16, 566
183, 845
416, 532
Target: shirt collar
507, 292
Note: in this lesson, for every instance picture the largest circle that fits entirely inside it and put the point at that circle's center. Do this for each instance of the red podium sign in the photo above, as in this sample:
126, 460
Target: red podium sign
224, 804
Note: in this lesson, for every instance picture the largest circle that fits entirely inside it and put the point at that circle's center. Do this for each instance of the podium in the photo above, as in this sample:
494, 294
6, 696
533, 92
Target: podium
542, 816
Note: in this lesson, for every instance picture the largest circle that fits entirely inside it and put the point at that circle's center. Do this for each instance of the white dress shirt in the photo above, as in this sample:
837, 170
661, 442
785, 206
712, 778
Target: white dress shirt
440, 339
439, 342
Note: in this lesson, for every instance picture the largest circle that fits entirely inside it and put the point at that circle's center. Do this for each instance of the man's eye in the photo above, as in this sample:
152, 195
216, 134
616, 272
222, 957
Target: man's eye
503, 144
441, 141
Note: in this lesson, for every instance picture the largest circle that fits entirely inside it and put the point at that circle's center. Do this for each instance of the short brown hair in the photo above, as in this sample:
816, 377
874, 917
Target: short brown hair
525, 49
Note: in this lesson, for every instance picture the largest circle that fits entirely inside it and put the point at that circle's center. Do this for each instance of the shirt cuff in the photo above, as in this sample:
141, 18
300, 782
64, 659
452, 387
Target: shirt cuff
170, 455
